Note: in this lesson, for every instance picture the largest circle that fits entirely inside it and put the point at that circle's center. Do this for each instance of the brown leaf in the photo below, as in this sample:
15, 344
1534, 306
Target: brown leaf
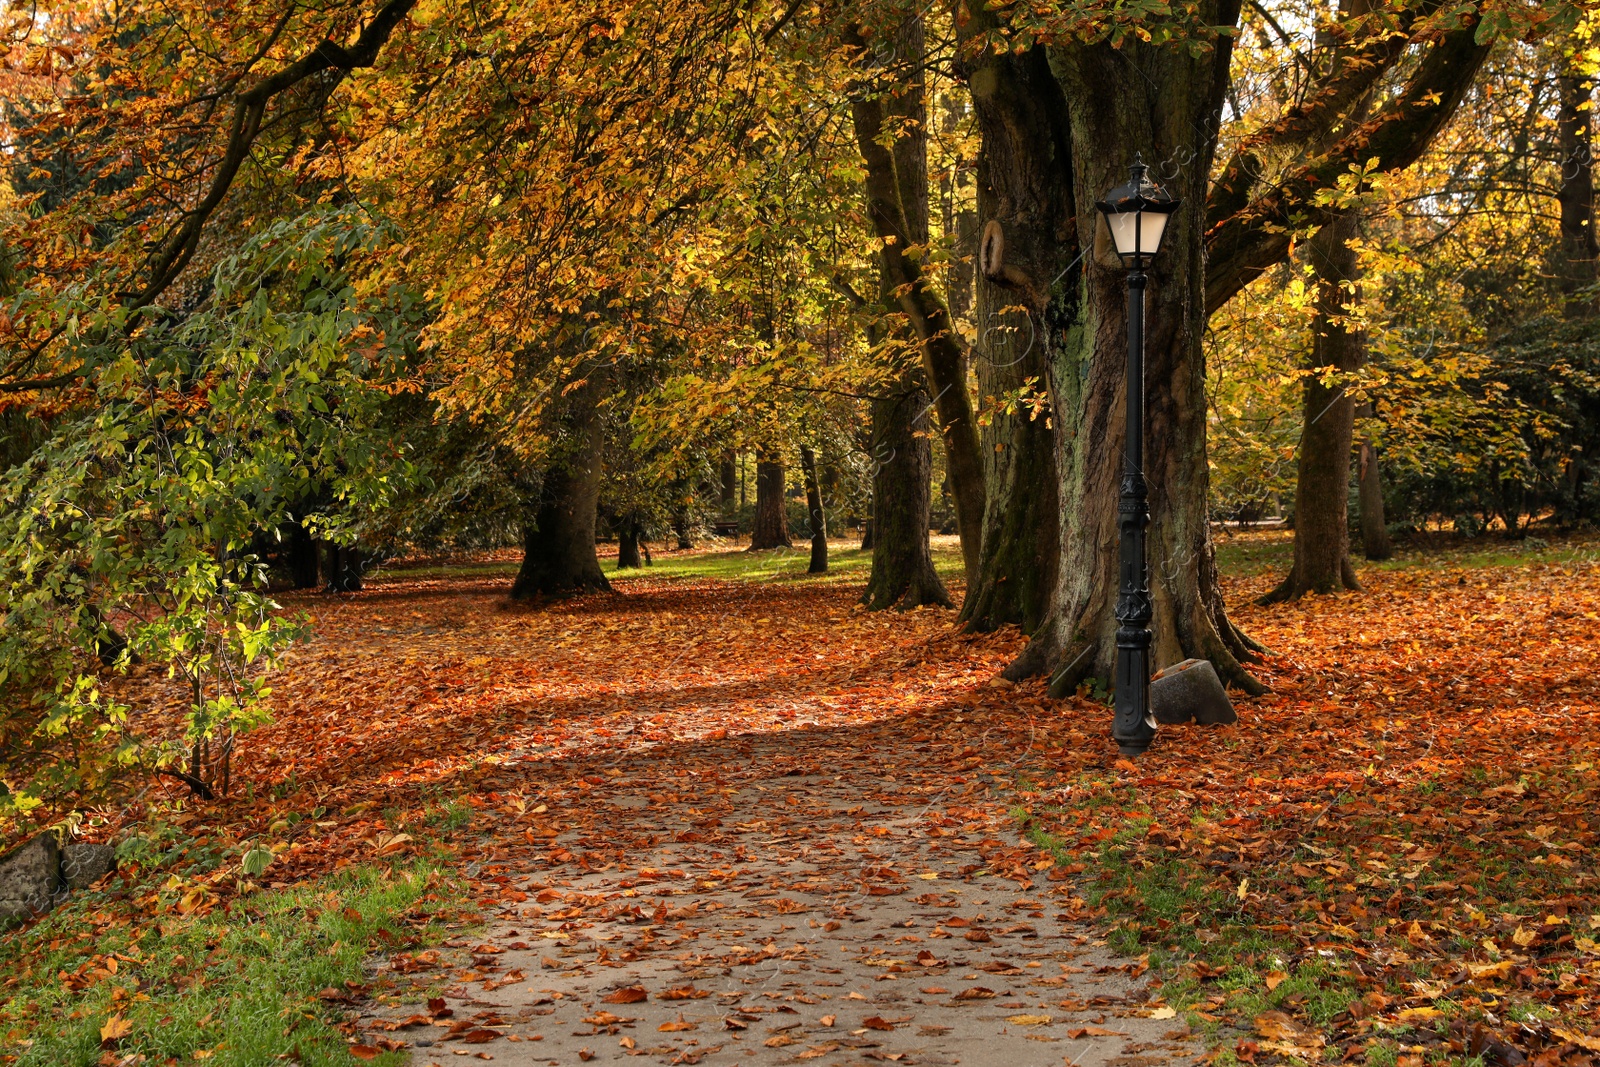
687, 992
814, 1051
877, 1022
365, 1052
976, 992
480, 1036
627, 995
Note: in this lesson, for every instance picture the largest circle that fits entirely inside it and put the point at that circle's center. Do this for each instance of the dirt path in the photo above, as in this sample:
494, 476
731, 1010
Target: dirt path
820, 905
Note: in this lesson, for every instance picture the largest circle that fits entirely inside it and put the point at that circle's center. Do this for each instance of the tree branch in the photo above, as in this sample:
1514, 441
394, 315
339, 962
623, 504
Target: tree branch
1246, 242
249, 107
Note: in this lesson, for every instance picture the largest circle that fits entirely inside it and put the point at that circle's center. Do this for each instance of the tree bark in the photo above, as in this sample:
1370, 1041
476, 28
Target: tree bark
680, 529
1375, 544
342, 566
1025, 202
897, 203
1078, 137
729, 475
1322, 489
628, 546
1579, 253
1106, 102
771, 527
558, 555
819, 521
301, 549
902, 501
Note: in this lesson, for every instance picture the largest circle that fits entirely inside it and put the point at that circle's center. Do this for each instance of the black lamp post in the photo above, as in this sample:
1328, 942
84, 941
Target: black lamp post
1136, 213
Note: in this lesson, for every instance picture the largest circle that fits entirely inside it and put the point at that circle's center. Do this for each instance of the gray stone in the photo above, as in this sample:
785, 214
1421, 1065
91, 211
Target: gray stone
30, 878
84, 863
1190, 690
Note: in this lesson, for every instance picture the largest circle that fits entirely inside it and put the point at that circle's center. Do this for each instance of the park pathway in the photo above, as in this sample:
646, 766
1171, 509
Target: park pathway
814, 902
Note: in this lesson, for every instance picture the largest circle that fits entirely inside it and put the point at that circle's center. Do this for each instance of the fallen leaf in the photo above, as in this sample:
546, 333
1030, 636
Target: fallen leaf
1028, 1020
627, 995
114, 1029
814, 1051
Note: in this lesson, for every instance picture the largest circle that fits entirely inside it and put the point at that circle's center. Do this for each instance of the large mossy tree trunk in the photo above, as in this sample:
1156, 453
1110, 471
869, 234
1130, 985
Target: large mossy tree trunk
1027, 294
814, 512
1322, 486
1106, 102
771, 527
902, 501
558, 553
1067, 143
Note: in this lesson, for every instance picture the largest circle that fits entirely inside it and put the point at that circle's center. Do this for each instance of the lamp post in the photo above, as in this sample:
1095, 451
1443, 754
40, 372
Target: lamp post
1136, 214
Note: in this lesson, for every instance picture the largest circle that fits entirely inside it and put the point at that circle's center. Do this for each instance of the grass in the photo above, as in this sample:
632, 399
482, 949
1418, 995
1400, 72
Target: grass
238, 985
846, 562
1174, 911
1252, 553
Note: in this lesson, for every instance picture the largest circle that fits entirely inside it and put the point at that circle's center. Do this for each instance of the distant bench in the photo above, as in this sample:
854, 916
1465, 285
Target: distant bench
725, 529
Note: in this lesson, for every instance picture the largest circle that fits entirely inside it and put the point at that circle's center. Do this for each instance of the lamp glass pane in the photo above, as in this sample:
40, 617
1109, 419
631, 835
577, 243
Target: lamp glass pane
1150, 232
1124, 231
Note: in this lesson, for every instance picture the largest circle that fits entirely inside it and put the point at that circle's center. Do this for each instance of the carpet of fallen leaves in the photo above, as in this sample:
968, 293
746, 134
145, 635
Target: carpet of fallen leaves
1414, 800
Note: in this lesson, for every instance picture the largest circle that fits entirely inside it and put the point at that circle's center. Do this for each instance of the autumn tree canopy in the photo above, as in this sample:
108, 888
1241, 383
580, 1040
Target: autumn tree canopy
291, 287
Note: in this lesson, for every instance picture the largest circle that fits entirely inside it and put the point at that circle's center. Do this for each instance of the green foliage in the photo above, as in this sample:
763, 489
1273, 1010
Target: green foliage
127, 528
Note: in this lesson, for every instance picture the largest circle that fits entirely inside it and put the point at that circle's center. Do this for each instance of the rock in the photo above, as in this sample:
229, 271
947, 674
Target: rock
30, 878
1190, 690
84, 863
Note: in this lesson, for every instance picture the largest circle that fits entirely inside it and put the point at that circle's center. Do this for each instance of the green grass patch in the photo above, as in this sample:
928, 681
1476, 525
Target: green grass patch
777, 564
1180, 915
235, 986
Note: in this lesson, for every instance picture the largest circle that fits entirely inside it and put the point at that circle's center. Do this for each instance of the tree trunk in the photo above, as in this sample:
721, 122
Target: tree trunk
819, 521
1025, 202
1579, 254
866, 535
902, 500
1375, 543
680, 529
628, 546
771, 528
1080, 135
301, 549
558, 556
897, 202
342, 566
730, 484
1322, 489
